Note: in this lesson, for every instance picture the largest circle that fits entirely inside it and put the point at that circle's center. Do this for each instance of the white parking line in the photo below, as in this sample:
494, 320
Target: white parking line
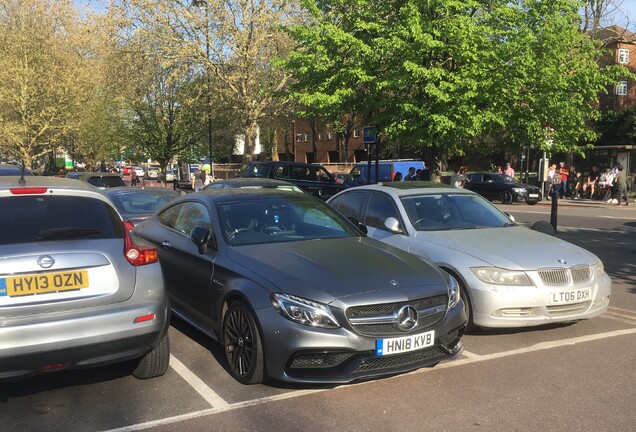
470, 358
202, 388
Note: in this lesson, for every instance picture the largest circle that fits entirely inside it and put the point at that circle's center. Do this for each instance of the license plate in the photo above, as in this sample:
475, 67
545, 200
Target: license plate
404, 344
571, 296
43, 283
533, 195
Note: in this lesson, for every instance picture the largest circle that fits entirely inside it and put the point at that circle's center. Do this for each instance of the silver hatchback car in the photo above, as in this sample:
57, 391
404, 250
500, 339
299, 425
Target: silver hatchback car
510, 276
76, 289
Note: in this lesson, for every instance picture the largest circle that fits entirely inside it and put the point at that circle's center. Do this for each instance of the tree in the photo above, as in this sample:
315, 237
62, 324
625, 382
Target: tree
233, 40
40, 87
453, 74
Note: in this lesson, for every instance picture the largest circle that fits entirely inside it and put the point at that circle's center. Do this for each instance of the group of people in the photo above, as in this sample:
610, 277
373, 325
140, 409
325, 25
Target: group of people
609, 186
413, 174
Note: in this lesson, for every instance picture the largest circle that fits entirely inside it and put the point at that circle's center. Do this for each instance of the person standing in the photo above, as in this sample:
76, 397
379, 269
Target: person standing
198, 179
509, 171
133, 177
550, 180
564, 172
410, 175
621, 182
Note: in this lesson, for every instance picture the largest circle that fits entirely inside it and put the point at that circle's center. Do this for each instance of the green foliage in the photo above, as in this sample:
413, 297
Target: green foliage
455, 74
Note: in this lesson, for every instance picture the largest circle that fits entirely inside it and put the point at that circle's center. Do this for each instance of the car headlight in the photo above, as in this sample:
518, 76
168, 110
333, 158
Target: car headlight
304, 311
519, 190
453, 292
599, 268
500, 276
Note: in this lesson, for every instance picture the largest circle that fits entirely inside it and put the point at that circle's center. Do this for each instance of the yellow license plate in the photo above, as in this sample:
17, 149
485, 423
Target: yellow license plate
46, 283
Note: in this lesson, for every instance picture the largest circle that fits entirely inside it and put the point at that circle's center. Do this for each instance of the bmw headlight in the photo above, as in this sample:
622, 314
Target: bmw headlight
519, 190
304, 311
453, 292
599, 268
501, 276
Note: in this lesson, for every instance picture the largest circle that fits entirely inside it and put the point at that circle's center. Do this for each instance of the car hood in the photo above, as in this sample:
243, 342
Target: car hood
329, 269
509, 247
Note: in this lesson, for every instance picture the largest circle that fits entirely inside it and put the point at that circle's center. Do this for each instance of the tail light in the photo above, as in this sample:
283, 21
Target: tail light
129, 225
138, 255
28, 191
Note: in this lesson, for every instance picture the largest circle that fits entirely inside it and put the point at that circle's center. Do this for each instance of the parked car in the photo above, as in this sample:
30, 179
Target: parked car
76, 289
136, 204
127, 169
359, 174
102, 180
140, 171
312, 178
152, 172
169, 176
74, 175
10, 169
253, 183
295, 292
500, 187
510, 276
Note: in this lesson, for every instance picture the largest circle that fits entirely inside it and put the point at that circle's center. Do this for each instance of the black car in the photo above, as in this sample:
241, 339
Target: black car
102, 180
500, 187
13, 170
253, 183
293, 291
312, 178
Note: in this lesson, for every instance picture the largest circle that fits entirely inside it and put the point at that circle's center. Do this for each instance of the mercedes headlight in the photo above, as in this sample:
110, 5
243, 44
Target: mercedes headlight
304, 311
453, 291
500, 276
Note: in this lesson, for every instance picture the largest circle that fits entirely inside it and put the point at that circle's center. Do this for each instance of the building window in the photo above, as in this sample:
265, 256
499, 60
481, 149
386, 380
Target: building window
306, 136
320, 136
623, 56
356, 133
621, 88
299, 137
329, 135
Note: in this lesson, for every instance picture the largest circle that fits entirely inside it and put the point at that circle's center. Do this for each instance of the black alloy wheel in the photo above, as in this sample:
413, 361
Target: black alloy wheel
243, 348
506, 197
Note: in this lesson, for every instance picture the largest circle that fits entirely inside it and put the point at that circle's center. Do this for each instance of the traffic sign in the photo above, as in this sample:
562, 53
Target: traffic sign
369, 135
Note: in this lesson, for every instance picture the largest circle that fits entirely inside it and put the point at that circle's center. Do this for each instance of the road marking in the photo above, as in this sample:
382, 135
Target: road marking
471, 355
470, 358
614, 308
629, 317
196, 383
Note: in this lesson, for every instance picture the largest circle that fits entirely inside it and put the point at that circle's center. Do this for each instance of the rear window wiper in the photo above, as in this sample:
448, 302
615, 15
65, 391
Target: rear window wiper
66, 233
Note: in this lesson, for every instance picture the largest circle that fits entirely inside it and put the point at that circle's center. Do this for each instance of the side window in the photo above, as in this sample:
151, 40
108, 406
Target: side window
192, 214
169, 216
351, 204
282, 172
380, 208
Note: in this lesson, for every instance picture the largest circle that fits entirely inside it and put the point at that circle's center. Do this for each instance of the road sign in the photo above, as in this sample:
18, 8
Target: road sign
369, 135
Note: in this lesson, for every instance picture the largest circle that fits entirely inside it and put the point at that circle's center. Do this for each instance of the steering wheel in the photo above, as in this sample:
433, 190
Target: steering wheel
236, 232
271, 229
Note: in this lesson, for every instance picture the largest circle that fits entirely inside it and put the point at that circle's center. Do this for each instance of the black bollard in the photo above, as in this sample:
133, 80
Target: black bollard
553, 210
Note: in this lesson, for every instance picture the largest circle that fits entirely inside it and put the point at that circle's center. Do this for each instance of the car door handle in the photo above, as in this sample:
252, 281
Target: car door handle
166, 244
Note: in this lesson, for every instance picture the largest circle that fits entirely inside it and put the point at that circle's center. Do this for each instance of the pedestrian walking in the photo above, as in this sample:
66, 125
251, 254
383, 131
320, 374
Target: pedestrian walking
133, 177
509, 171
621, 182
564, 173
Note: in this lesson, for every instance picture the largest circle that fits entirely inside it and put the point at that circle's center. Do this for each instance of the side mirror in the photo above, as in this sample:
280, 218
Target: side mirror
393, 225
362, 227
201, 237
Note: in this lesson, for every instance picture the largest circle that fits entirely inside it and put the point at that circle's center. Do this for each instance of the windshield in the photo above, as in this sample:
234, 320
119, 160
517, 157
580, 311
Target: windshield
280, 218
144, 201
255, 170
437, 212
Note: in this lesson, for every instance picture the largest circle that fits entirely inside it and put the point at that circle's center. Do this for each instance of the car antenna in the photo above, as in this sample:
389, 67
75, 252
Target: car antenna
22, 181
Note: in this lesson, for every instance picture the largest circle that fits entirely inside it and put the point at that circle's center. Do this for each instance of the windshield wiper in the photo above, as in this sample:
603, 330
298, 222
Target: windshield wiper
65, 233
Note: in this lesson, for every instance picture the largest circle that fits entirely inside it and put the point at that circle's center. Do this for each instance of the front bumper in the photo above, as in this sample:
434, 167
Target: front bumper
507, 307
302, 354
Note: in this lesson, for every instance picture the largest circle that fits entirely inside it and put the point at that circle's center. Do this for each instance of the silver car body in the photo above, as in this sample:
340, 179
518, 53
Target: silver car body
116, 312
564, 282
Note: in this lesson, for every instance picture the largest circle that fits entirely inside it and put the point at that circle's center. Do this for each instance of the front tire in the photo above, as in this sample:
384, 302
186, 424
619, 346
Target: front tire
468, 309
243, 346
155, 362
506, 197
